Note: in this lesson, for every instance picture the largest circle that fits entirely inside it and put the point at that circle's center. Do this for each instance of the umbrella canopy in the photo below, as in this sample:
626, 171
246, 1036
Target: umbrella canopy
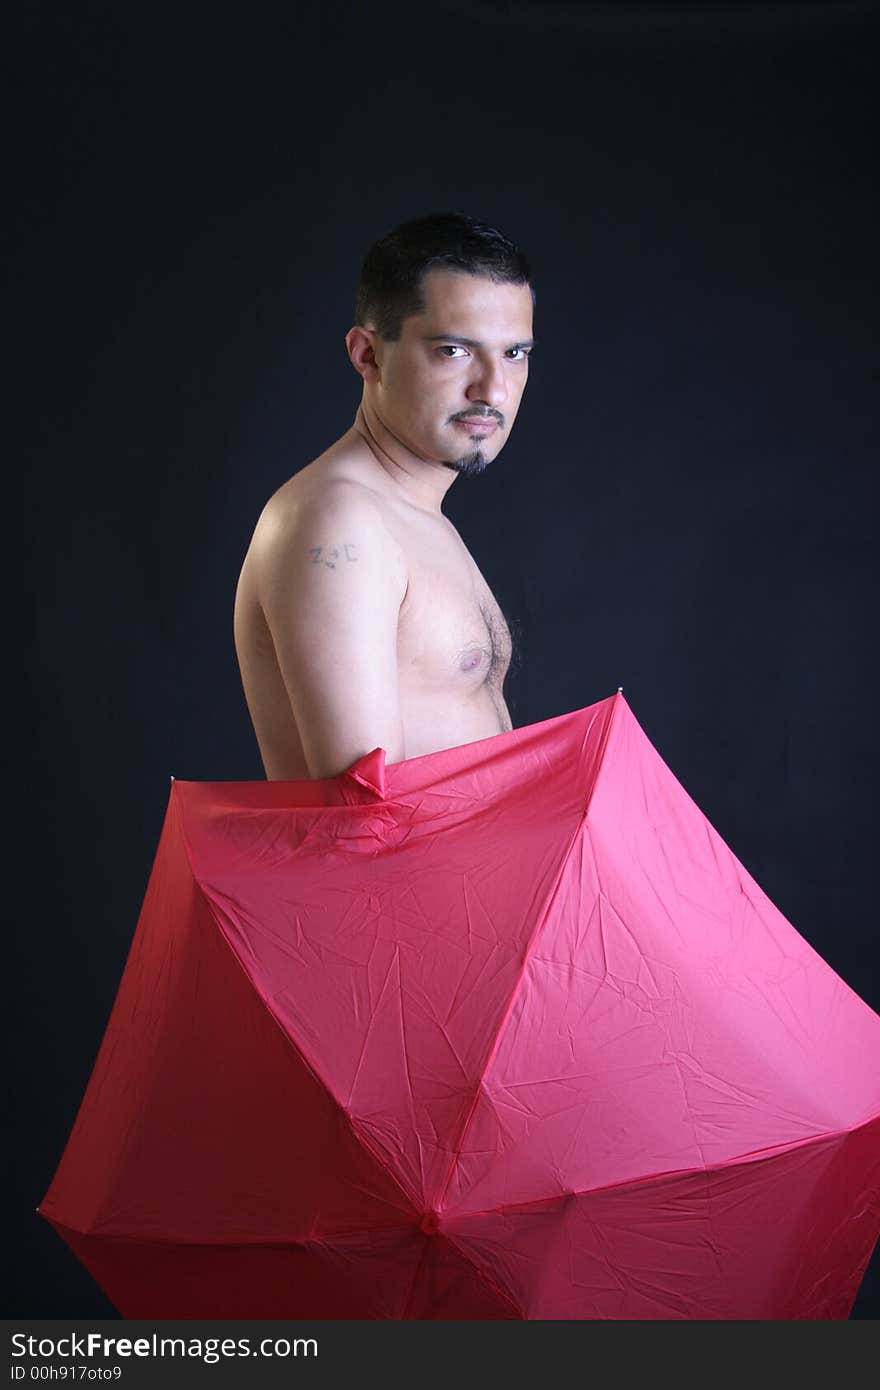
503, 1031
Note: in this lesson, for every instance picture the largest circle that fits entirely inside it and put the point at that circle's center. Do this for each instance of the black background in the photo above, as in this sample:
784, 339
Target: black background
686, 507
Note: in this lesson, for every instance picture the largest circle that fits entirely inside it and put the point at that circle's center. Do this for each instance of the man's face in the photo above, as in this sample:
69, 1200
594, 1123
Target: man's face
465, 359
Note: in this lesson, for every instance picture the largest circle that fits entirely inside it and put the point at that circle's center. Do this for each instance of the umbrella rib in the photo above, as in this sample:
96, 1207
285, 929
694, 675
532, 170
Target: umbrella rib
294, 1044
551, 897
490, 1056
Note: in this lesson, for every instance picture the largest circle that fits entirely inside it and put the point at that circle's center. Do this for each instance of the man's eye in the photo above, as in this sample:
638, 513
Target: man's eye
456, 347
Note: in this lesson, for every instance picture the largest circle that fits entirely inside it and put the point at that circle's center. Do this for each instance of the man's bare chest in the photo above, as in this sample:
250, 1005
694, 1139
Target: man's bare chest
451, 631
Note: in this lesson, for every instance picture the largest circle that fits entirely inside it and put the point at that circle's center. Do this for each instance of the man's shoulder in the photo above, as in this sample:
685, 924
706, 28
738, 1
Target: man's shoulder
325, 500
320, 493
345, 477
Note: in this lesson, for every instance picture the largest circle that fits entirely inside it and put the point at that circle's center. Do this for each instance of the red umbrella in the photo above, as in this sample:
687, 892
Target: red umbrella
504, 1031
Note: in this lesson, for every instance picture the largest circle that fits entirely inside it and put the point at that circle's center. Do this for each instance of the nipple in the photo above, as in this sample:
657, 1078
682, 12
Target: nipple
471, 659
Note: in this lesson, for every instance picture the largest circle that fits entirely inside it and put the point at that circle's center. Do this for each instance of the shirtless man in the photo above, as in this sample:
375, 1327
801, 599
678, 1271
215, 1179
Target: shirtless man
361, 619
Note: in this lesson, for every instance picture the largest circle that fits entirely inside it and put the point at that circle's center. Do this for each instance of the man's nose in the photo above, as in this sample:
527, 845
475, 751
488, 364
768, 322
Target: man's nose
489, 384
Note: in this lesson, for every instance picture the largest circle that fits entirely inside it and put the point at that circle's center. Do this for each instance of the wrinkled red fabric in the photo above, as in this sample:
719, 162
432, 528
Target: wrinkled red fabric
503, 1031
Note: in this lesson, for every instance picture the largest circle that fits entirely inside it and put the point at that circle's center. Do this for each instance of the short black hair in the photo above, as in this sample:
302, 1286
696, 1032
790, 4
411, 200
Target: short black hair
390, 285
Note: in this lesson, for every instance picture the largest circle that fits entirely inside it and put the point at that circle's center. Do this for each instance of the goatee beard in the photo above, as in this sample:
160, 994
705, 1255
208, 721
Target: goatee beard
474, 461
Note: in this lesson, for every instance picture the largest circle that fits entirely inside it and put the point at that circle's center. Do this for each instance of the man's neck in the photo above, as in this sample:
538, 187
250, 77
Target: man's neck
421, 482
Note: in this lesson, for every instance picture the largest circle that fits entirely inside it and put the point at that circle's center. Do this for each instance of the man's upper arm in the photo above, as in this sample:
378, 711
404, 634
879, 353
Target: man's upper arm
331, 582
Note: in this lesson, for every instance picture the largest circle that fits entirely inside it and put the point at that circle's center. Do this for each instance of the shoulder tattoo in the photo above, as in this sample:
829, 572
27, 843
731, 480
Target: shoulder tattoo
331, 555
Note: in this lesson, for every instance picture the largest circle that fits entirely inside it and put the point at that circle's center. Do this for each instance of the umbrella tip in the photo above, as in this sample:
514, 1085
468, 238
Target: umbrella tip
172, 776
620, 690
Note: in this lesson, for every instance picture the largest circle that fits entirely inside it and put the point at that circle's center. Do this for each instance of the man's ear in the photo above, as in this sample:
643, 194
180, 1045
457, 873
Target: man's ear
361, 345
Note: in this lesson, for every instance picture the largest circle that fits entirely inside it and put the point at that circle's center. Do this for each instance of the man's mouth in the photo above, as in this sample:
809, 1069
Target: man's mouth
483, 423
